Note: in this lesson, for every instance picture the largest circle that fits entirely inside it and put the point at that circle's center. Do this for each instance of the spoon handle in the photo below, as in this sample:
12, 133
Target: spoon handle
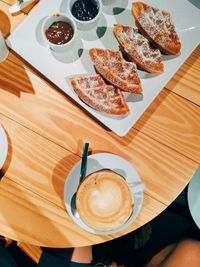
84, 161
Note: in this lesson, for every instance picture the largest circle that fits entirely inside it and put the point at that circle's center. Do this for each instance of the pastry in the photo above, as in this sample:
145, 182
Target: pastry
157, 26
137, 48
97, 94
116, 70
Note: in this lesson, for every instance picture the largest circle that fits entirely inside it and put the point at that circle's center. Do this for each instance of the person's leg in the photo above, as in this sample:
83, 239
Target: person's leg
160, 256
186, 253
82, 255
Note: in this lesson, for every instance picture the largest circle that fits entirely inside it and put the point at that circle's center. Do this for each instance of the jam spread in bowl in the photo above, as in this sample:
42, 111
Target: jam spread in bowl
85, 13
85, 9
59, 32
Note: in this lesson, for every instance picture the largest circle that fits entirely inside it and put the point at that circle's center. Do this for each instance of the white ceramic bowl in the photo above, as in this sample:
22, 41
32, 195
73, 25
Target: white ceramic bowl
86, 25
48, 21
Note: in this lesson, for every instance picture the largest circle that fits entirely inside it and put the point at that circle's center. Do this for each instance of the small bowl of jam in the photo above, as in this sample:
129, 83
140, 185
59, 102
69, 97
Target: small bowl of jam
85, 13
59, 32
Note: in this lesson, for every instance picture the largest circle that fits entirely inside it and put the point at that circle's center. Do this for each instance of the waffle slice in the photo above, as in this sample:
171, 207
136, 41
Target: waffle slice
120, 73
97, 94
137, 48
157, 26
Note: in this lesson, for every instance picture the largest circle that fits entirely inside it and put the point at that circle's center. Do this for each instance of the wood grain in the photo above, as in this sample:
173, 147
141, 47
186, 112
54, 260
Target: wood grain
35, 172
9, 2
28, 217
170, 119
34, 252
42, 166
186, 82
174, 122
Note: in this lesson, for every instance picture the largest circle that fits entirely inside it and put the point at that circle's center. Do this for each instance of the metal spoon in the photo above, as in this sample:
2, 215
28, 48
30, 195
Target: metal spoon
19, 5
82, 175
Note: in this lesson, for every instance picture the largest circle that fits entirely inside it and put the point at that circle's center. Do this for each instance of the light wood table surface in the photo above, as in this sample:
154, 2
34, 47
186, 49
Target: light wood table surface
46, 131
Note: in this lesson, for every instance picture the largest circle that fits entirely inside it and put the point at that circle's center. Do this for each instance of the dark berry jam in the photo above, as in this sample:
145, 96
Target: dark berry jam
85, 10
59, 32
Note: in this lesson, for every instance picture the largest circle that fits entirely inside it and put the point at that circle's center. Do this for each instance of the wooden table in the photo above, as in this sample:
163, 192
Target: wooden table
46, 131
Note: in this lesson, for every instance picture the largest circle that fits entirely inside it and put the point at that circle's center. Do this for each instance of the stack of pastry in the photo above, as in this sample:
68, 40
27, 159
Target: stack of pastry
155, 27
119, 72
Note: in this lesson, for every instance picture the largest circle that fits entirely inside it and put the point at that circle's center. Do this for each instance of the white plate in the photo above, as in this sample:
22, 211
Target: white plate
3, 146
194, 197
96, 162
27, 42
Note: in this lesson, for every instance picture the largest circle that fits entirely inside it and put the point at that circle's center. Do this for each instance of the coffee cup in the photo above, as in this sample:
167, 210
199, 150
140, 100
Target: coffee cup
3, 48
104, 200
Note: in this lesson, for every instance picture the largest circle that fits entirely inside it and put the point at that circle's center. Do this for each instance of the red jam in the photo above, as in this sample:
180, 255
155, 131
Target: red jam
59, 33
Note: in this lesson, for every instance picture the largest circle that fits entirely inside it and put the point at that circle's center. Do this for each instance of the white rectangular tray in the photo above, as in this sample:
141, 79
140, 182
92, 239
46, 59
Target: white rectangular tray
26, 40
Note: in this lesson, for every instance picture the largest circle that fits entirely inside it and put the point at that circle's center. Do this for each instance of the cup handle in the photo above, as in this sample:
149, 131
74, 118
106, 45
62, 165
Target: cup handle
137, 187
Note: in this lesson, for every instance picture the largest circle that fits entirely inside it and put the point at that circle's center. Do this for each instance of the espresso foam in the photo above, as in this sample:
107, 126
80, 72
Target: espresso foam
104, 200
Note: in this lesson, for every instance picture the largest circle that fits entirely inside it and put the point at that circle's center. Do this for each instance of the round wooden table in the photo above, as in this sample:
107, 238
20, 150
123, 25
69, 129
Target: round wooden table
46, 130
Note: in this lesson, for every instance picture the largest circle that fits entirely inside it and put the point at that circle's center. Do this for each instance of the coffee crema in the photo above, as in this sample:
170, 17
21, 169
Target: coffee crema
104, 200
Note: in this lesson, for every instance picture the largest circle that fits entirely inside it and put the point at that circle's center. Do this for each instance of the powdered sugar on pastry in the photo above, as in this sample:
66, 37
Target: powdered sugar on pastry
158, 26
137, 48
120, 73
100, 96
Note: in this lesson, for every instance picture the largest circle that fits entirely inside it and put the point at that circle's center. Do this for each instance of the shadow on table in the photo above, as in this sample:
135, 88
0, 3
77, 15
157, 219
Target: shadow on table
195, 3
132, 134
20, 205
14, 78
60, 173
13, 75
5, 24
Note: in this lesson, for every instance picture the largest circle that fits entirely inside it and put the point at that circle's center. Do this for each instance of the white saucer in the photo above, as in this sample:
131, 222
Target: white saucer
96, 162
194, 197
3, 146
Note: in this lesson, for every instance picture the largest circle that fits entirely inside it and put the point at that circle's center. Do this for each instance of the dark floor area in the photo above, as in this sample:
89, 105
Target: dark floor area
13, 256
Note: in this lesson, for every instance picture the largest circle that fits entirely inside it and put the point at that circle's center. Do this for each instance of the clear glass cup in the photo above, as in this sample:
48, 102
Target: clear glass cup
3, 48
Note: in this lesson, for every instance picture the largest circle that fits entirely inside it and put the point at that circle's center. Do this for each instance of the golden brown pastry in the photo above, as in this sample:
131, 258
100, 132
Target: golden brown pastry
157, 26
97, 94
137, 48
119, 72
